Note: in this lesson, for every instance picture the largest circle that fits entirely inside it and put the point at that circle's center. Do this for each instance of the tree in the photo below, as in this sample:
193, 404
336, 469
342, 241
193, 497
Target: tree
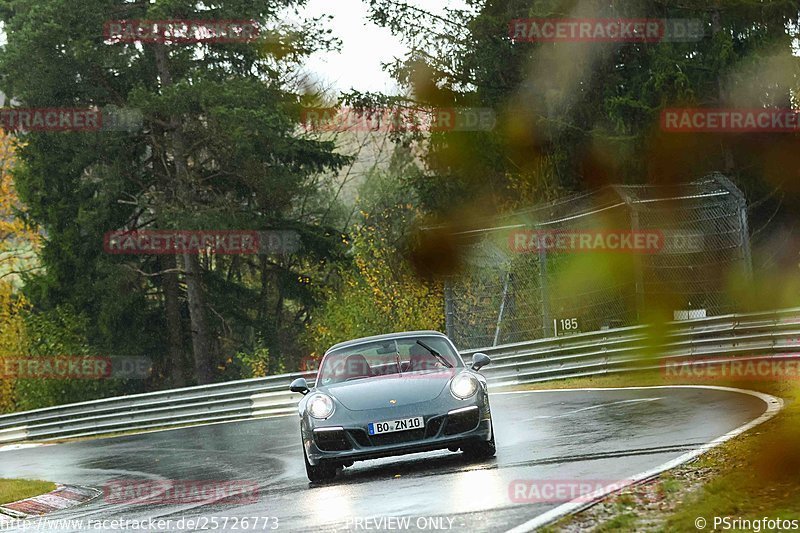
19, 241
12, 329
579, 115
380, 291
218, 149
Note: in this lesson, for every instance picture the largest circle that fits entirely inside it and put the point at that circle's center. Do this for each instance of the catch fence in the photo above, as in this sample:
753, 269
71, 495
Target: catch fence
519, 282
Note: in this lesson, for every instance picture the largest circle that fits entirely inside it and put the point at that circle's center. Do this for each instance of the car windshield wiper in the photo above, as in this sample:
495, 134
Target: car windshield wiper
397, 357
436, 354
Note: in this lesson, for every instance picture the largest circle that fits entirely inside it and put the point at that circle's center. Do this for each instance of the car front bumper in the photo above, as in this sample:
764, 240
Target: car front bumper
351, 442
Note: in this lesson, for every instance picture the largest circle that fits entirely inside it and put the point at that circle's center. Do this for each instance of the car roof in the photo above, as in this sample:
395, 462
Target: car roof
385, 336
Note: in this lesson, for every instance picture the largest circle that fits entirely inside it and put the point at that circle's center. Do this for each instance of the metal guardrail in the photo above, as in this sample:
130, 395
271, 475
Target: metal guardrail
585, 354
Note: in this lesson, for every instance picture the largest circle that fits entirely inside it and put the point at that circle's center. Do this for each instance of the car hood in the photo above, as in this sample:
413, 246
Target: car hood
405, 389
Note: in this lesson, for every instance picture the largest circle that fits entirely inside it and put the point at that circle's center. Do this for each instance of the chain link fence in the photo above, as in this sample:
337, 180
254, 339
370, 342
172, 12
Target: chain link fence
689, 242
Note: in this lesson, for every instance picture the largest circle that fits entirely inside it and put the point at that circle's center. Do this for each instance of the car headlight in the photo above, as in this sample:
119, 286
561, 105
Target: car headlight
320, 406
464, 386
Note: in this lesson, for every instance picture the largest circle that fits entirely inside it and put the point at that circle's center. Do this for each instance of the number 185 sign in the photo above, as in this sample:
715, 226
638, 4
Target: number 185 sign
565, 326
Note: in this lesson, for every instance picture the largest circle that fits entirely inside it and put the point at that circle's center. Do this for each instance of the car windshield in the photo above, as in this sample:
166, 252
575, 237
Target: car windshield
391, 356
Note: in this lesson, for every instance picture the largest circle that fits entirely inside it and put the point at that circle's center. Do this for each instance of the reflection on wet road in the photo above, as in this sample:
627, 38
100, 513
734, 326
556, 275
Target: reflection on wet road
548, 435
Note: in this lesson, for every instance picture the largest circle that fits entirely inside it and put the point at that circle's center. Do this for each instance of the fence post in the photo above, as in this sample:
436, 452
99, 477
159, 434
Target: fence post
448, 308
744, 230
502, 309
745, 234
637, 265
544, 291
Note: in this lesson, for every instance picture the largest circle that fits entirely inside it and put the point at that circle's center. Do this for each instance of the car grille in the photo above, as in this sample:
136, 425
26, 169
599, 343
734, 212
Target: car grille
397, 437
331, 441
360, 436
434, 425
461, 422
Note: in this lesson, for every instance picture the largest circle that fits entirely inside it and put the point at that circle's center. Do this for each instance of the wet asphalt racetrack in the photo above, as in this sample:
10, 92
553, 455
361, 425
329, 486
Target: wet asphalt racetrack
592, 435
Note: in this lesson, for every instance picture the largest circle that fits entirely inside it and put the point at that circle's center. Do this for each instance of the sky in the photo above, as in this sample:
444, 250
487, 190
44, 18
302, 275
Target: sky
364, 47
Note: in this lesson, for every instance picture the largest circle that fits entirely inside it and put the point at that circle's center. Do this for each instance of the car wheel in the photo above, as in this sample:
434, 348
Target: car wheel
321, 472
480, 450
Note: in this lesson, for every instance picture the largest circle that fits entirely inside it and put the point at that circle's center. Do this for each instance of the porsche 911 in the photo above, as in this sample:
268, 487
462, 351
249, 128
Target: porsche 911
391, 395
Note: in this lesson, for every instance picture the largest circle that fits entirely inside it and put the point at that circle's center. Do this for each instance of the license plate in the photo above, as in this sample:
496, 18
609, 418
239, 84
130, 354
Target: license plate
404, 424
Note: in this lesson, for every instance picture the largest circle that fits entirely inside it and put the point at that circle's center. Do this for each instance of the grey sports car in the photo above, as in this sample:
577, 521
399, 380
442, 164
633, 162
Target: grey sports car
392, 395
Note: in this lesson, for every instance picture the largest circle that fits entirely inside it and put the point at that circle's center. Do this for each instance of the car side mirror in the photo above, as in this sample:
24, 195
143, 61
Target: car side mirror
299, 385
480, 360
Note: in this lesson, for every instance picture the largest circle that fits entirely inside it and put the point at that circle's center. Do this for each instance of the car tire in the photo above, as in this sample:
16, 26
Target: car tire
480, 450
321, 472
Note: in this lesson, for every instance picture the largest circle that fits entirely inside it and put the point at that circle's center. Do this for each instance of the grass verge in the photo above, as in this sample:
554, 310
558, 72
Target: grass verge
12, 490
751, 477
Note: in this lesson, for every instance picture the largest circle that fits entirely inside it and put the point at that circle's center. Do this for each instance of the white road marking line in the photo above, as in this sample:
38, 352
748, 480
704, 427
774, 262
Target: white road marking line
774, 405
22, 446
598, 406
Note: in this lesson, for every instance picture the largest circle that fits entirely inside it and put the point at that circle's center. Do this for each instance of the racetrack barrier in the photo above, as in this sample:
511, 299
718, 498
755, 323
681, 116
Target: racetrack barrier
770, 334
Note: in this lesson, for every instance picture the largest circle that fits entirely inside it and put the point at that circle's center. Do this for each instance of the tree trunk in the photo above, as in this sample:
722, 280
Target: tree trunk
201, 341
172, 307
201, 344
727, 153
